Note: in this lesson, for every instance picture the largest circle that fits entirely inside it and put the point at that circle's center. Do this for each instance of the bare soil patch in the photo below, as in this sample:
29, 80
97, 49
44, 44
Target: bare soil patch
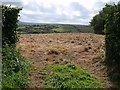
81, 48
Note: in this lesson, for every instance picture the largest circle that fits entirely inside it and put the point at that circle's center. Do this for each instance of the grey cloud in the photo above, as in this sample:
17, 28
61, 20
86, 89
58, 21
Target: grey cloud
47, 17
39, 8
98, 6
45, 14
83, 11
52, 9
19, 4
50, 15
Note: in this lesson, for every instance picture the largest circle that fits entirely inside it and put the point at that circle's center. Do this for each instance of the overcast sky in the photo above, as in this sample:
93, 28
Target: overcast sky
59, 11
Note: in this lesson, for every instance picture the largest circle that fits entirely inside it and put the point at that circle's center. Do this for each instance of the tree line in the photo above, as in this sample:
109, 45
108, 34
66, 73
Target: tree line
107, 22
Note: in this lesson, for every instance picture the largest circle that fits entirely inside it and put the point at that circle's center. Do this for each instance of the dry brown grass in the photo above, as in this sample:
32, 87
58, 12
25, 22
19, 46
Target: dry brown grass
57, 50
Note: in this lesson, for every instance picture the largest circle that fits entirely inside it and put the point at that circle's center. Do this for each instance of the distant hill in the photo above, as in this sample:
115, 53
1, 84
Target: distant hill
30, 23
38, 28
27, 23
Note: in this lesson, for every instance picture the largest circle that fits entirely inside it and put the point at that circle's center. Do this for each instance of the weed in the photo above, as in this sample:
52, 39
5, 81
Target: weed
15, 68
69, 76
101, 57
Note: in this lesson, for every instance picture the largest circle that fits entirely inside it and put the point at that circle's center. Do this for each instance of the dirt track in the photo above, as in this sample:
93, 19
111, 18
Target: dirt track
81, 48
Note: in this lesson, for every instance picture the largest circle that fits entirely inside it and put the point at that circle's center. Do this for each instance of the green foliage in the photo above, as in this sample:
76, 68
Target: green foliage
98, 23
109, 20
113, 34
69, 76
15, 69
113, 40
9, 20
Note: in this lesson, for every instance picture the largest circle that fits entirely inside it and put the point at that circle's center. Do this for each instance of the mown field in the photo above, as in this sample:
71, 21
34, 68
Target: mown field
65, 60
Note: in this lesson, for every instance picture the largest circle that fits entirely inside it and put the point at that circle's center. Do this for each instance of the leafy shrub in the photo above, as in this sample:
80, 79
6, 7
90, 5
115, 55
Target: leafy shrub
15, 69
69, 76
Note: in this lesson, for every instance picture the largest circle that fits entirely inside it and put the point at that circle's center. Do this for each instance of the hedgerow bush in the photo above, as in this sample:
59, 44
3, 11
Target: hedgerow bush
113, 41
15, 69
113, 35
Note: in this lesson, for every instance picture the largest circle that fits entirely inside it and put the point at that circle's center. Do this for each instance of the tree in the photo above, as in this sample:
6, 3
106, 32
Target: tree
98, 23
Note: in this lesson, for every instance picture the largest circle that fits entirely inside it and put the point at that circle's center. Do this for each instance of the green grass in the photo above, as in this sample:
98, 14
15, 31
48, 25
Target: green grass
69, 28
58, 29
69, 76
15, 69
21, 27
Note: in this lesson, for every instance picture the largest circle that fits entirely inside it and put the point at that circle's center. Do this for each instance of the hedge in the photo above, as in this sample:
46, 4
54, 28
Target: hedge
113, 35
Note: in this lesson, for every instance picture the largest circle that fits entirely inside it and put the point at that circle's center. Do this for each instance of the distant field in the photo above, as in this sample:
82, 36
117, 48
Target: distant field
53, 28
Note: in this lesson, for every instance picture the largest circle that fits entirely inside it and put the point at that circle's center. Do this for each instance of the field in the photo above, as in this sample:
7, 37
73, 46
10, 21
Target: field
85, 50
